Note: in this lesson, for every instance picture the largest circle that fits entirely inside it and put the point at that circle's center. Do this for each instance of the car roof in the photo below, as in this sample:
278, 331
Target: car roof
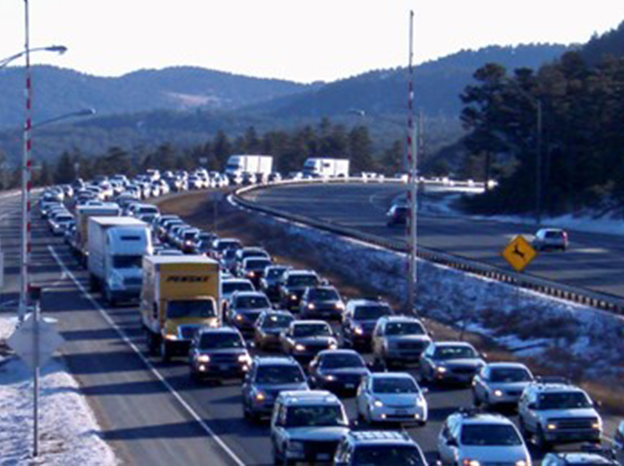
275, 361
235, 280
391, 375
447, 344
481, 417
216, 330
367, 302
308, 322
301, 272
336, 352
401, 318
246, 294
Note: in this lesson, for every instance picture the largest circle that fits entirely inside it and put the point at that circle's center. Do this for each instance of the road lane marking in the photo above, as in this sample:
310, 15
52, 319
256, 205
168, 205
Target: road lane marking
149, 365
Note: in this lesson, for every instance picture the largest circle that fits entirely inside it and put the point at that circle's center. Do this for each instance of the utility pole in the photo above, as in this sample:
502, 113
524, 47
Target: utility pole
412, 160
538, 164
26, 182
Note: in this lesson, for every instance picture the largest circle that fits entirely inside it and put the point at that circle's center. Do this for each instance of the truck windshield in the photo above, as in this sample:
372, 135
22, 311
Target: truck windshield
370, 312
563, 400
127, 262
197, 308
405, 328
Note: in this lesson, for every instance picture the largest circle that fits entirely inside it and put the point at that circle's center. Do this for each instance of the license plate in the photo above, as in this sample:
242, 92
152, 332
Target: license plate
323, 456
223, 367
349, 386
401, 412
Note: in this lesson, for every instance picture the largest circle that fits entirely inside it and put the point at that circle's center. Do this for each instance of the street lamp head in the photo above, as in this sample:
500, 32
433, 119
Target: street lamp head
60, 49
85, 112
357, 111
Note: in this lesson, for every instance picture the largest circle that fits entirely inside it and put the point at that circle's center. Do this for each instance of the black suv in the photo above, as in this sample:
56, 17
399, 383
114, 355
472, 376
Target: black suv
218, 353
292, 286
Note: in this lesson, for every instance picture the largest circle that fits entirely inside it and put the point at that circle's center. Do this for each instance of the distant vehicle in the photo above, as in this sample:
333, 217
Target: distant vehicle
590, 455
293, 284
359, 321
391, 397
244, 309
326, 168
304, 339
255, 164
378, 448
550, 238
470, 437
116, 249
399, 340
321, 302
269, 326
338, 370
218, 353
266, 379
450, 362
83, 213
269, 283
500, 384
306, 426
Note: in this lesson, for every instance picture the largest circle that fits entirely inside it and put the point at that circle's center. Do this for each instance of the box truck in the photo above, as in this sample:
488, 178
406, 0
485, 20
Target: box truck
180, 295
326, 168
255, 164
83, 214
116, 249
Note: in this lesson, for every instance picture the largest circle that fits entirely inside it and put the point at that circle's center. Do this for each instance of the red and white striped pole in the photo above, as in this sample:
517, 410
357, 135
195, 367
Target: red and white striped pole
26, 179
412, 158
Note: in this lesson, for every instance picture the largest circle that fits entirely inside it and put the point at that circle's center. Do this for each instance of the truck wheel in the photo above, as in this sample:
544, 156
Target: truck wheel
93, 283
152, 344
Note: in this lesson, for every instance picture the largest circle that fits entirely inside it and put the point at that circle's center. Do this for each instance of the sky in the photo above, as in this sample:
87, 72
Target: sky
304, 41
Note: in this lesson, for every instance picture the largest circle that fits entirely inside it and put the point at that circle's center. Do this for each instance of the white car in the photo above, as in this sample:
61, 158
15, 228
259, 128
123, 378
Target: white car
550, 238
391, 397
476, 438
500, 383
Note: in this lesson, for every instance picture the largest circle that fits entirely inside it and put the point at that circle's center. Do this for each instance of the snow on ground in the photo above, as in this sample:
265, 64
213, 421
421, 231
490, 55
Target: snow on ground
576, 341
68, 431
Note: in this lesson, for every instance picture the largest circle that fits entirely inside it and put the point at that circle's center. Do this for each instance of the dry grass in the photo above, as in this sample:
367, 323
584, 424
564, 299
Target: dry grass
197, 209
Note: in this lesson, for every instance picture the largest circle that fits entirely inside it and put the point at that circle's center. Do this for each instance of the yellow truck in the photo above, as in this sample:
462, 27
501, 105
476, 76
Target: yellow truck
180, 295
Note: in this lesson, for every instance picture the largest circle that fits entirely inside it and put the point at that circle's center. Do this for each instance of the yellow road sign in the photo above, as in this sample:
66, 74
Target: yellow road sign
519, 253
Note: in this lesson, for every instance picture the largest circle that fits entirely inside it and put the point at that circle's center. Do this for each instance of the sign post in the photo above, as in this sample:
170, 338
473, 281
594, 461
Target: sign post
34, 342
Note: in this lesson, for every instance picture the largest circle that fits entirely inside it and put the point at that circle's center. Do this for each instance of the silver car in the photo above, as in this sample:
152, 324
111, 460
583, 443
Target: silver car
500, 383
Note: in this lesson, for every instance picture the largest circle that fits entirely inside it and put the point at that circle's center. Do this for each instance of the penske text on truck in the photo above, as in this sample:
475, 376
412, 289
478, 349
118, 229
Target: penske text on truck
116, 249
180, 295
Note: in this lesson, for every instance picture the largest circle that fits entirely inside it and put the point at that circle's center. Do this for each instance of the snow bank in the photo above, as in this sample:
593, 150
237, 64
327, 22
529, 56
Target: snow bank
577, 341
68, 430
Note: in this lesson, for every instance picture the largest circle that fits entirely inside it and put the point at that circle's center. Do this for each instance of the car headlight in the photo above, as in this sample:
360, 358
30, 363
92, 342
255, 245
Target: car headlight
597, 425
293, 297
358, 331
469, 462
238, 318
498, 393
203, 358
244, 358
251, 274
378, 403
333, 345
260, 396
311, 306
171, 336
300, 347
329, 377
442, 370
521, 463
551, 426
340, 306
295, 446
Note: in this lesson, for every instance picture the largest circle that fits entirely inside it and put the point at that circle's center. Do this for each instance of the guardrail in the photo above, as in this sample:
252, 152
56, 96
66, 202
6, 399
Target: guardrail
601, 301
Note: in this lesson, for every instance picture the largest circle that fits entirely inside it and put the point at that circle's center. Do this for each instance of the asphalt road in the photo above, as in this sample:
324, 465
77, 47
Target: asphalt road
593, 261
150, 412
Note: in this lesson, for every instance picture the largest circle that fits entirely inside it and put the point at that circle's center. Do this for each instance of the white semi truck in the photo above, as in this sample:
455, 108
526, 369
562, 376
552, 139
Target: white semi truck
326, 168
255, 164
116, 249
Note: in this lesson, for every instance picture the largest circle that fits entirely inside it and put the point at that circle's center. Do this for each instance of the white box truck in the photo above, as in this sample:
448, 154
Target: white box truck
180, 295
326, 168
83, 214
255, 164
116, 249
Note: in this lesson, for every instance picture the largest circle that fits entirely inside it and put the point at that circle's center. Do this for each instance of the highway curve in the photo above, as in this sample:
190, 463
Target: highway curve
594, 261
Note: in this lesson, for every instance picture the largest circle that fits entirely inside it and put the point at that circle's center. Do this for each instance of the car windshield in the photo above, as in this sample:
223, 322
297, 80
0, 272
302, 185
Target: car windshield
229, 254
324, 294
216, 340
510, 374
302, 280
310, 330
276, 272
394, 385
454, 352
277, 321
405, 328
228, 245
553, 234
196, 308
127, 262
370, 312
308, 416
279, 374
189, 235
237, 286
387, 455
335, 361
563, 400
252, 302
489, 435
258, 264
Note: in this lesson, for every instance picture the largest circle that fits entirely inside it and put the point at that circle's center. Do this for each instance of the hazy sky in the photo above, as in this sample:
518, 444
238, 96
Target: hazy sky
291, 39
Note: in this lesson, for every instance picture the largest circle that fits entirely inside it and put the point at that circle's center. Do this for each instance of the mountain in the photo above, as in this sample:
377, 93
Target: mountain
437, 85
600, 47
58, 91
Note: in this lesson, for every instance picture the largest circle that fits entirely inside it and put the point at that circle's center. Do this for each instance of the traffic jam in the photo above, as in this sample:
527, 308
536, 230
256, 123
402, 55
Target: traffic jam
302, 352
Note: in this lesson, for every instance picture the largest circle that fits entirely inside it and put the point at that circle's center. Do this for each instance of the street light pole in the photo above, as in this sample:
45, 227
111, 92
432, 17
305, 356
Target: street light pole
60, 49
538, 165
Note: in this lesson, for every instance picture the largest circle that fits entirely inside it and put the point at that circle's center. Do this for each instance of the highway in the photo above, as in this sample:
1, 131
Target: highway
594, 261
150, 412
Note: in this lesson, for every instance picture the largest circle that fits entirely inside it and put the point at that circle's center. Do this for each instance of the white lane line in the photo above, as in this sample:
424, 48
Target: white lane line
149, 365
